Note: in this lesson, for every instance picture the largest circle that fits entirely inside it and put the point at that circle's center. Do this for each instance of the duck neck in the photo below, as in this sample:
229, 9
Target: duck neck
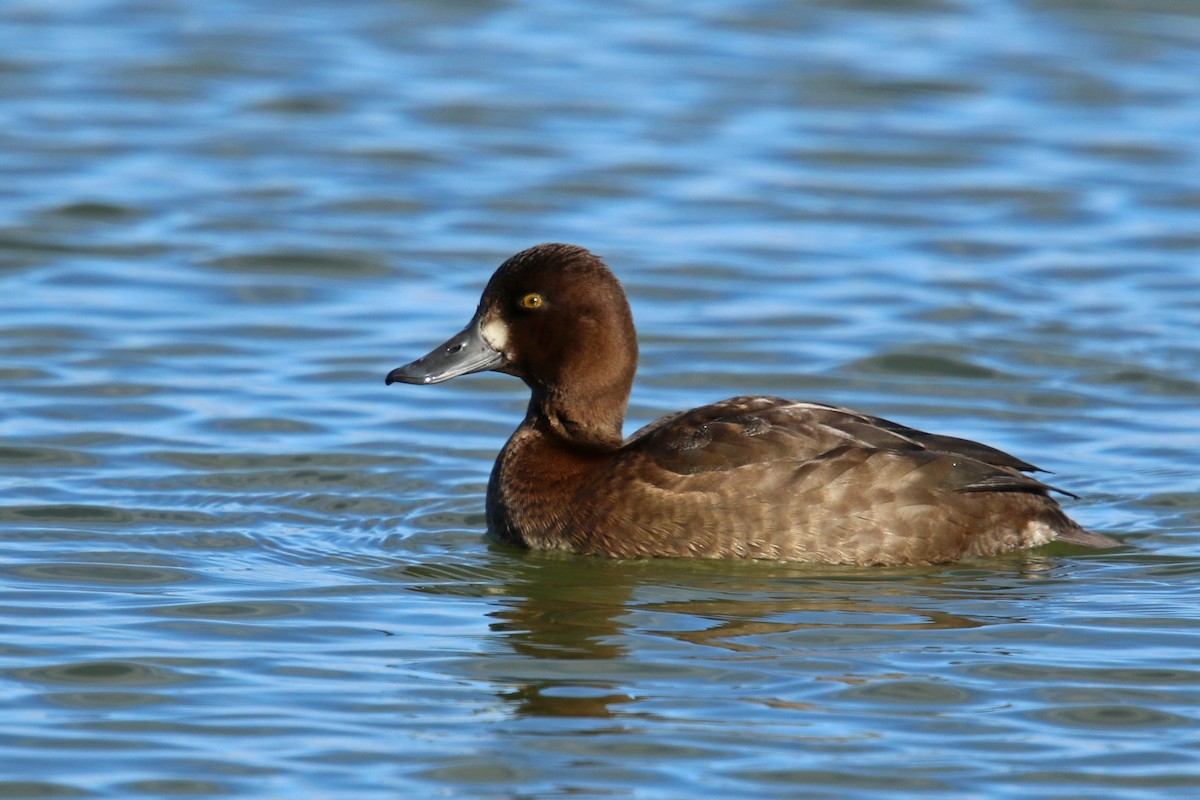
593, 424
583, 401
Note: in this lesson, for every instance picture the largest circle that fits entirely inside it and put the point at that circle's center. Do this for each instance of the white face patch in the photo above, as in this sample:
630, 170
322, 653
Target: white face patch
495, 333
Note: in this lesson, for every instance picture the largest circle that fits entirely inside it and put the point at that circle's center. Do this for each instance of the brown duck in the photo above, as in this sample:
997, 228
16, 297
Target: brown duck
748, 477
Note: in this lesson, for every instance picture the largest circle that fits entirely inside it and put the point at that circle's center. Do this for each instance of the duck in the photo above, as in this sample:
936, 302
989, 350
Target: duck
751, 477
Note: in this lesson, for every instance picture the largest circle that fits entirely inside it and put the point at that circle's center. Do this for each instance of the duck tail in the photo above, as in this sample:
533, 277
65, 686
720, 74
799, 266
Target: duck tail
1085, 538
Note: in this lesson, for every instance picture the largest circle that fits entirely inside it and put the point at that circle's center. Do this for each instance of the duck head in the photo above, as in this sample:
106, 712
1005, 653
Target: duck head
556, 317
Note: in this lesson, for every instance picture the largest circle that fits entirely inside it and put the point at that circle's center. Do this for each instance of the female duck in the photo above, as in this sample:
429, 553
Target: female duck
748, 477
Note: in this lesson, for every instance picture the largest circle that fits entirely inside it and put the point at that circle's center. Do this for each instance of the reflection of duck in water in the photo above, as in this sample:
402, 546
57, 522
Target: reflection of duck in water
749, 477
582, 637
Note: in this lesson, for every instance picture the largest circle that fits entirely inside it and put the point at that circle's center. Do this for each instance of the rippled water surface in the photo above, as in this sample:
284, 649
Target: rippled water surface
233, 563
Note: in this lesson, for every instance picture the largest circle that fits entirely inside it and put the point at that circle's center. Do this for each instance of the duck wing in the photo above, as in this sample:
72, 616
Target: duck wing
764, 477
744, 430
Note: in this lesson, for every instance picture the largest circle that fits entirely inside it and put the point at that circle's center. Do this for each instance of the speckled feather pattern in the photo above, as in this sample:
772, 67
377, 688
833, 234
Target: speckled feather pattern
767, 478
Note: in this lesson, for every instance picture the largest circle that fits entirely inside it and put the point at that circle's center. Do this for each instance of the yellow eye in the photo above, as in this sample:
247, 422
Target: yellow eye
532, 300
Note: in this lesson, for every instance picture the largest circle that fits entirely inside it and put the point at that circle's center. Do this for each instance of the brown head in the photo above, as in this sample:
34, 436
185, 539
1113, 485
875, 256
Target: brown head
556, 317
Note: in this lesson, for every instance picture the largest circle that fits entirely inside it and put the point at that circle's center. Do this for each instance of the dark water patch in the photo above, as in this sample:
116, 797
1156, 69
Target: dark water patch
27, 790
342, 265
1162, 566
384, 207
68, 513
474, 772
316, 463
467, 579
106, 440
1181, 198
234, 611
398, 155
101, 673
271, 295
436, 542
910, 780
99, 575
186, 347
53, 746
1102, 780
17, 244
281, 480
974, 249
18, 376
1135, 153
351, 377
97, 211
263, 425
462, 514
259, 334
960, 315
301, 104
113, 390
217, 541
106, 516
19, 458
1156, 694
167, 787
1086, 676
1150, 381
104, 700
890, 159
1113, 718
926, 365
338, 505
907, 693
107, 412
1188, 501
235, 727
31, 340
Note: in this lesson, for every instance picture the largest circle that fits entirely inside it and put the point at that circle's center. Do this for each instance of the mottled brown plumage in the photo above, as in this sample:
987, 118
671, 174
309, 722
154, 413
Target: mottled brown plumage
749, 477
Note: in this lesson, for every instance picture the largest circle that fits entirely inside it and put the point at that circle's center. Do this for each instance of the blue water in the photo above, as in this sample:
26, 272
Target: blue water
234, 563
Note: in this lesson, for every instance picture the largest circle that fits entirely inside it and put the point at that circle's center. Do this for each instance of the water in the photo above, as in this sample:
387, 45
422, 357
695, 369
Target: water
235, 564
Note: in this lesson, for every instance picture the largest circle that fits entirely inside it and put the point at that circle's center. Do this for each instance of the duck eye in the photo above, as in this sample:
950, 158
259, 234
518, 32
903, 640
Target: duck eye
532, 300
